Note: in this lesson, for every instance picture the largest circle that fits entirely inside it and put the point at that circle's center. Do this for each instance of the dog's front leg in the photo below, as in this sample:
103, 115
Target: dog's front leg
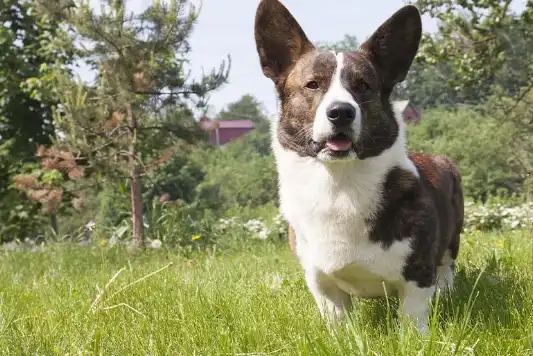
415, 303
332, 301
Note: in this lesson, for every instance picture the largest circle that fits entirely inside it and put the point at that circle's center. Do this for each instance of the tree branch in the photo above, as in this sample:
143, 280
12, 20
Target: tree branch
99, 33
520, 98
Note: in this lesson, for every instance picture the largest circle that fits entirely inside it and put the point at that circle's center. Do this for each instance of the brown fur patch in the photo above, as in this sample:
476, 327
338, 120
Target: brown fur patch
427, 167
299, 104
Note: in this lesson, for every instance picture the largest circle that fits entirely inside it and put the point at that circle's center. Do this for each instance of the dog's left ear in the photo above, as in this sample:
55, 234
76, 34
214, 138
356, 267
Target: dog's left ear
394, 45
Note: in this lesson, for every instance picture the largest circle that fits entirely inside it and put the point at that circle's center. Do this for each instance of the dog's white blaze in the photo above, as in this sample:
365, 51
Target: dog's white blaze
322, 128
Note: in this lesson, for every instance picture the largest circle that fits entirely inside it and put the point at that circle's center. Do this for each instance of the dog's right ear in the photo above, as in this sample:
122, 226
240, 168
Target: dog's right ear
279, 39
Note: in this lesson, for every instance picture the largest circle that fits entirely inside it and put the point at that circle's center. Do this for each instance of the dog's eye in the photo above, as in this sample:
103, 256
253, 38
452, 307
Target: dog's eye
313, 85
364, 86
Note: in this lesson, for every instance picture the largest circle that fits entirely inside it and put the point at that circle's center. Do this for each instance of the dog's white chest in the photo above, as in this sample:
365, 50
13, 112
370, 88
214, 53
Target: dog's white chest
357, 265
374, 271
329, 218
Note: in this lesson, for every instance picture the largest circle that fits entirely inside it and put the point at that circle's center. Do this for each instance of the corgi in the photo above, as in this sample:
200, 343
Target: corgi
366, 217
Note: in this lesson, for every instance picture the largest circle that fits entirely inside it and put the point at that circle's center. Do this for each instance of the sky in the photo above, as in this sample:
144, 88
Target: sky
226, 27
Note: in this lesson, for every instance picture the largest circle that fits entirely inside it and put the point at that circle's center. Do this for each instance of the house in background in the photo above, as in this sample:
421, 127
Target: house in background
411, 113
223, 131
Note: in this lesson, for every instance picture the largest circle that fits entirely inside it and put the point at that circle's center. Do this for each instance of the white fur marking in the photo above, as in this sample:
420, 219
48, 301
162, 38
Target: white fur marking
445, 273
322, 128
333, 303
415, 303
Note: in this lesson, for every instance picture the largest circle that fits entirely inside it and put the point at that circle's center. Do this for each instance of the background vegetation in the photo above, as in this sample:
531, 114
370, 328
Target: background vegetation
122, 149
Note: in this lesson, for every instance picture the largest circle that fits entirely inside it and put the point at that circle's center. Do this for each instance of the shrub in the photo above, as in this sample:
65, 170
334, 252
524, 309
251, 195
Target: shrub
497, 216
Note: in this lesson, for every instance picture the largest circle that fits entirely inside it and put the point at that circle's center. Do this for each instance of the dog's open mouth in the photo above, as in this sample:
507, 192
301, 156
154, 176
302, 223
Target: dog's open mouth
339, 143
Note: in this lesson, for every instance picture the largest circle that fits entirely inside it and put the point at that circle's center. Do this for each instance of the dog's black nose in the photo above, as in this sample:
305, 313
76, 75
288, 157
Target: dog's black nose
341, 113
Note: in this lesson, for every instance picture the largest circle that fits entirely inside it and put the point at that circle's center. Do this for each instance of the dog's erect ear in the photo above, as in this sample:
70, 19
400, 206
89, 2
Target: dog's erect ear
394, 45
279, 39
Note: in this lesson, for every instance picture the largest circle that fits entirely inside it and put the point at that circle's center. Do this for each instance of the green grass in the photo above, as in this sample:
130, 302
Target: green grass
252, 301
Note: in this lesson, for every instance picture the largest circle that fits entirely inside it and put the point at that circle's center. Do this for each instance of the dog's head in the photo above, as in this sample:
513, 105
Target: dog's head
335, 105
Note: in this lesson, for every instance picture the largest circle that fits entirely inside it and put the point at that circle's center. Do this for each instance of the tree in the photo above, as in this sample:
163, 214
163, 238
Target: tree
27, 97
140, 63
487, 49
347, 44
479, 45
246, 108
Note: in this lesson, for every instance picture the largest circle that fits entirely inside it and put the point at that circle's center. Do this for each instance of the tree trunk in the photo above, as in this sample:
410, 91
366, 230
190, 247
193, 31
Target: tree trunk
53, 223
136, 184
137, 206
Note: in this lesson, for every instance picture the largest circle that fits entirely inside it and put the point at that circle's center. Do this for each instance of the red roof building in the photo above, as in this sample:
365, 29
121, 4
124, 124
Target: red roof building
223, 131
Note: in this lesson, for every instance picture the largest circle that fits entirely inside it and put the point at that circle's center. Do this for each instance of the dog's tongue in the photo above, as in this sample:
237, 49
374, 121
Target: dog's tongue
339, 144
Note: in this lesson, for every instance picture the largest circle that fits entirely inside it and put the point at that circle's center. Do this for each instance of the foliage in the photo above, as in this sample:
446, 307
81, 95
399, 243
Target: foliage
478, 144
276, 229
240, 174
140, 63
26, 52
47, 184
479, 46
515, 120
173, 224
177, 179
347, 44
174, 174
483, 53
27, 95
476, 36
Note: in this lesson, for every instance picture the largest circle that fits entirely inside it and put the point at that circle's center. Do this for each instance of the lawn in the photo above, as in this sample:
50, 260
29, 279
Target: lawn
250, 300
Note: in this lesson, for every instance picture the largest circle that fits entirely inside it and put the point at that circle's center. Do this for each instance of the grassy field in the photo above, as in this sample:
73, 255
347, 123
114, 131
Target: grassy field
248, 301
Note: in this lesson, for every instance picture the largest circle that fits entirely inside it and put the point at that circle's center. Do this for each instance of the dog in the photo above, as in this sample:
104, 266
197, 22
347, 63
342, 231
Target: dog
367, 218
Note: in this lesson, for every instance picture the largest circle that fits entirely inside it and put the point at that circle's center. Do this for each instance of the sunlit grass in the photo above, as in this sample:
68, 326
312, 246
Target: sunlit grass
252, 301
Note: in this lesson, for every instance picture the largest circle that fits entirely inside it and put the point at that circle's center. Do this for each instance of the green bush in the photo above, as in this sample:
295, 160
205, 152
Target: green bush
242, 173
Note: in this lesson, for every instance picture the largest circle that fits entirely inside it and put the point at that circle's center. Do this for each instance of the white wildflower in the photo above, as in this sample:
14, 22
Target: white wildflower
155, 244
90, 225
